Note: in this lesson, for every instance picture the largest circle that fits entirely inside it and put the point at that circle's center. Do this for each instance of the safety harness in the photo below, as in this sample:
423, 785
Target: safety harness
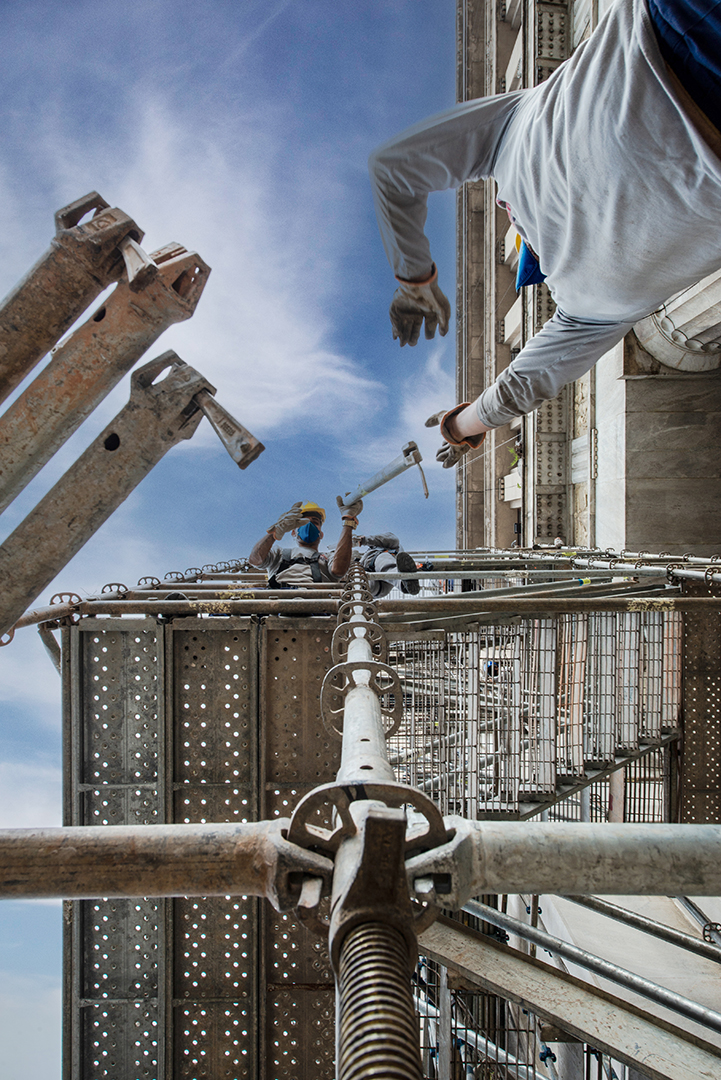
288, 560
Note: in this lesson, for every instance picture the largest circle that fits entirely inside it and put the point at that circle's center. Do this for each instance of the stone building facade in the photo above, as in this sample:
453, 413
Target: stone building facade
626, 456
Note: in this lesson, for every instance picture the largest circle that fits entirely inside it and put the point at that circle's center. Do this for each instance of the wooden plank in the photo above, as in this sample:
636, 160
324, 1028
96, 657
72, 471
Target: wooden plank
653, 1047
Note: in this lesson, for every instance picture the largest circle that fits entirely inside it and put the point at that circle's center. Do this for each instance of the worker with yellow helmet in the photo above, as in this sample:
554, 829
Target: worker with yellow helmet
296, 566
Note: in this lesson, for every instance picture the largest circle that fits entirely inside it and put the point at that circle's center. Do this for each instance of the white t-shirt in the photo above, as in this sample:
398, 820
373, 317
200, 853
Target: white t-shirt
608, 181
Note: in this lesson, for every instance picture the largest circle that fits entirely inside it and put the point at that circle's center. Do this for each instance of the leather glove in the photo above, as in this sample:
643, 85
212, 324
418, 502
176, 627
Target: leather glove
452, 451
412, 303
288, 521
350, 513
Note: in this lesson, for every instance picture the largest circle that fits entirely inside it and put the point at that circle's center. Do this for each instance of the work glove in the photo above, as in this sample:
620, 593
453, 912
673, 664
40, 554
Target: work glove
451, 451
288, 521
359, 541
414, 302
349, 514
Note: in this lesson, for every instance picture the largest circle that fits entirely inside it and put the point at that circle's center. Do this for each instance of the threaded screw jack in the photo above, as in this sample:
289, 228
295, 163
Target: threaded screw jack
378, 1027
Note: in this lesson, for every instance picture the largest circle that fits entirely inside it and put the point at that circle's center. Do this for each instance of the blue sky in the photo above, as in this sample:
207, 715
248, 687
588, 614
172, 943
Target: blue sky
240, 129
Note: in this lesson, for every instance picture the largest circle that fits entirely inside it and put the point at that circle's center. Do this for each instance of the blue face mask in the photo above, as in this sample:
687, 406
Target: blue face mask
308, 533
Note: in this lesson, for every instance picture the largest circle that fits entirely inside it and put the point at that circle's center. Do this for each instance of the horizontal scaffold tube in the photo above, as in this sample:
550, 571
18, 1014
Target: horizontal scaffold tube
156, 860
478, 603
502, 857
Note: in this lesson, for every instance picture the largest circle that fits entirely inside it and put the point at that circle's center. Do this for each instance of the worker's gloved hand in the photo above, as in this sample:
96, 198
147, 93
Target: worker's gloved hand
288, 521
453, 449
359, 541
349, 513
412, 303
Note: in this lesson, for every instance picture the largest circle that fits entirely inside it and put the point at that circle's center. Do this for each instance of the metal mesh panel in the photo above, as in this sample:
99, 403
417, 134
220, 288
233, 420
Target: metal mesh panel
500, 714
573, 643
600, 696
627, 680
537, 752
651, 674
647, 788
489, 1036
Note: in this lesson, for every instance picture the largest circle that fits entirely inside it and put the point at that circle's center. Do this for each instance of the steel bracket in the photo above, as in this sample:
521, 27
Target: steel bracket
339, 681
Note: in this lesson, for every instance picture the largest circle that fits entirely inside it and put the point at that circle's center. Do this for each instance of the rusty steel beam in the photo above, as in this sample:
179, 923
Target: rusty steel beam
157, 416
81, 261
252, 859
86, 367
404, 610
483, 603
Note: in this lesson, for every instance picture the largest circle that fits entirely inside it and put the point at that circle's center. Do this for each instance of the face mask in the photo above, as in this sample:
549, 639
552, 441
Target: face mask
308, 533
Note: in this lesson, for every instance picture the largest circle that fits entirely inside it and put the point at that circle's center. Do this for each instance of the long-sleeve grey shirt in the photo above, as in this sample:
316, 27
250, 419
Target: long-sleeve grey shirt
608, 180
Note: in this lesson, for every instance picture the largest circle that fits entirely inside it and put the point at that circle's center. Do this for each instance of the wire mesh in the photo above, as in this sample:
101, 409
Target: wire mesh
500, 715
490, 1038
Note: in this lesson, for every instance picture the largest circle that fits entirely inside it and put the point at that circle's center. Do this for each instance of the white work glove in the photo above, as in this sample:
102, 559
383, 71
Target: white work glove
451, 451
350, 513
412, 303
359, 541
288, 521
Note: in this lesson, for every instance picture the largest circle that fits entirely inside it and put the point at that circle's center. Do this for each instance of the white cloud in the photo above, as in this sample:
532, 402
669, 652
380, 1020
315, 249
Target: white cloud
30, 1026
424, 390
263, 327
31, 796
28, 679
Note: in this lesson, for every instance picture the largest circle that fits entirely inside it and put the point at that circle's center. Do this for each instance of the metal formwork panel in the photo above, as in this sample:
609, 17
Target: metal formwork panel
701, 761
117, 756
212, 741
112, 778
297, 1040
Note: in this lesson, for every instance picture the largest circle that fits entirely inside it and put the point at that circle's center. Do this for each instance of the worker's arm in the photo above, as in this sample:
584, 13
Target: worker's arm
260, 553
290, 520
344, 547
563, 350
439, 153
342, 554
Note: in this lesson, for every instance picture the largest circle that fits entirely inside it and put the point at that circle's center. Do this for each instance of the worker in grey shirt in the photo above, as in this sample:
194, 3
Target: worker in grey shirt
386, 554
611, 174
302, 563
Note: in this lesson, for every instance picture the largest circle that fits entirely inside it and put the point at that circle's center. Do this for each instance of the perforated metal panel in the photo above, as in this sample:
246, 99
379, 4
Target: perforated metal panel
114, 779
218, 720
299, 1030
164, 728
701, 769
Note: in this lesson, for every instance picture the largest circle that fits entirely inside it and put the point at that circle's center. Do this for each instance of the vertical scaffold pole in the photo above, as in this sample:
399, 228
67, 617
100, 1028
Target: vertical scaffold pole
372, 939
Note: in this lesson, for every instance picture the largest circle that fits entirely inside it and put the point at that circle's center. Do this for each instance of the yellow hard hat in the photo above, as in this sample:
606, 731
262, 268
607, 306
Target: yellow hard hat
311, 507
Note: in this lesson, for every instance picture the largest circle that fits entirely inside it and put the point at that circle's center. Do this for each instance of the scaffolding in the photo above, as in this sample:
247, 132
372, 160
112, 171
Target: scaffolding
206, 700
